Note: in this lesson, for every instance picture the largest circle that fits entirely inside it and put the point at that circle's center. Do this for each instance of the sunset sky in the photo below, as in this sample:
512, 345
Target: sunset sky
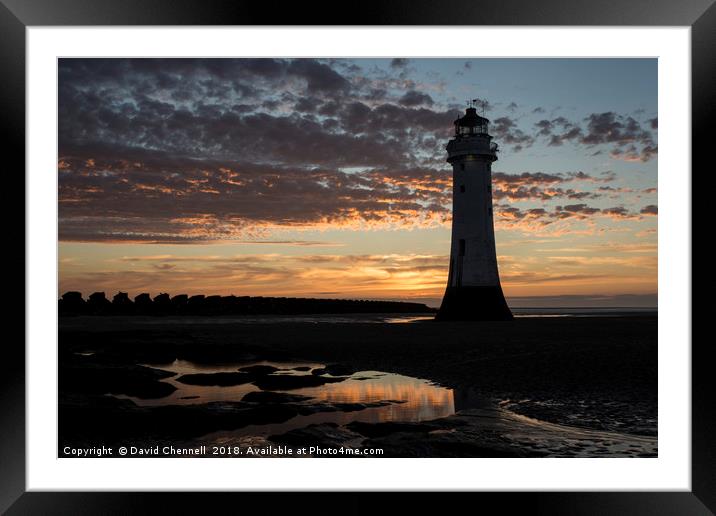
327, 178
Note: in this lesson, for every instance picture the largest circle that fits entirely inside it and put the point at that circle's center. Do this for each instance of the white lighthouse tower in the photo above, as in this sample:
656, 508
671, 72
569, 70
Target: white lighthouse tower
473, 291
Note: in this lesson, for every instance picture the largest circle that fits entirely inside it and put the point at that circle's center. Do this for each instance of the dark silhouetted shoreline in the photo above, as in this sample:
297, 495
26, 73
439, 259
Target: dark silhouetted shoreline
72, 303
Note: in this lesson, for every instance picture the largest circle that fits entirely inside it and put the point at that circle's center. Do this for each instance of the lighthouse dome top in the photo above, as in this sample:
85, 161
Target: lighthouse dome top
471, 123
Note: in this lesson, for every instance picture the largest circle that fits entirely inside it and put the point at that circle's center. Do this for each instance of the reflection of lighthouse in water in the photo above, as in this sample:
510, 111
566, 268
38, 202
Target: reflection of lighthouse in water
473, 291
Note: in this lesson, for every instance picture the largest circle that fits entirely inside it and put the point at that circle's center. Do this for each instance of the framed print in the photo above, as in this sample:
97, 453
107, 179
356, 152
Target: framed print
420, 252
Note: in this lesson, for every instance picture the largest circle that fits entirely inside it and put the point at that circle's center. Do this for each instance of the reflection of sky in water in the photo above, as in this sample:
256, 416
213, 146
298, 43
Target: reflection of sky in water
419, 400
187, 394
422, 400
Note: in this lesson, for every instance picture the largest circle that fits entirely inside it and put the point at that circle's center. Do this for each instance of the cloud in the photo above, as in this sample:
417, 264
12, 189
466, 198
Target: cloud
571, 210
414, 98
319, 77
161, 199
532, 219
543, 186
321, 275
624, 132
532, 278
631, 153
618, 212
398, 62
135, 195
612, 128
506, 131
649, 210
207, 150
286, 111
270, 274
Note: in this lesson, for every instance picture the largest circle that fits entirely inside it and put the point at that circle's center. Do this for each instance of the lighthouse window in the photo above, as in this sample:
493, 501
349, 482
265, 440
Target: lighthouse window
462, 188
461, 244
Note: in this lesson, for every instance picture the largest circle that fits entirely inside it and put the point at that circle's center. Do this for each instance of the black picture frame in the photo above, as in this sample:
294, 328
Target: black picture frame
17, 15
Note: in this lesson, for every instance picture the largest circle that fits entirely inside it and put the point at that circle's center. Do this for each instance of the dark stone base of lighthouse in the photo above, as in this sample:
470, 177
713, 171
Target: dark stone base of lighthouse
474, 304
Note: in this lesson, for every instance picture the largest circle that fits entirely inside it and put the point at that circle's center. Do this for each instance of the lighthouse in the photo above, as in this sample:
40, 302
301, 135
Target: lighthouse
473, 290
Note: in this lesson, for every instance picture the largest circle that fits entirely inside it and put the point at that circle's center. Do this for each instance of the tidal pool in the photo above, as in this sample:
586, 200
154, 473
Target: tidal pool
405, 399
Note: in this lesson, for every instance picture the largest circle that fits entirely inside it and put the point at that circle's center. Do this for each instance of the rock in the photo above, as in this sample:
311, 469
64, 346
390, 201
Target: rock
212, 305
180, 300
98, 303
334, 370
354, 407
179, 304
143, 302
273, 397
220, 379
259, 370
73, 297
162, 300
117, 422
121, 299
162, 305
274, 382
130, 380
98, 297
121, 304
196, 301
72, 303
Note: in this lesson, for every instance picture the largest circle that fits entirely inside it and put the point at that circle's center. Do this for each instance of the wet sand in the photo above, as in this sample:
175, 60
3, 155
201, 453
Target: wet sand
548, 382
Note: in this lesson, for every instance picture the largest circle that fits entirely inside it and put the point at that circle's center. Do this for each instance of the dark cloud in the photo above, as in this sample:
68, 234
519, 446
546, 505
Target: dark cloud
648, 152
617, 212
559, 130
649, 210
543, 186
507, 215
577, 208
506, 131
543, 194
537, 178
544, 127
399, 62
526, 178
320, 78
242, 110
415, 98
185, 150
153, 197
131, 194
625, 133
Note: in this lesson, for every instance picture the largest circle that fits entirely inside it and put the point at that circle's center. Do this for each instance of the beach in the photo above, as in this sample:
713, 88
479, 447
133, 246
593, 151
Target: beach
531, 387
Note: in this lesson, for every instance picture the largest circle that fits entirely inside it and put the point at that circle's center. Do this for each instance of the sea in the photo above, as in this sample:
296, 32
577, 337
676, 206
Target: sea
382, 318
